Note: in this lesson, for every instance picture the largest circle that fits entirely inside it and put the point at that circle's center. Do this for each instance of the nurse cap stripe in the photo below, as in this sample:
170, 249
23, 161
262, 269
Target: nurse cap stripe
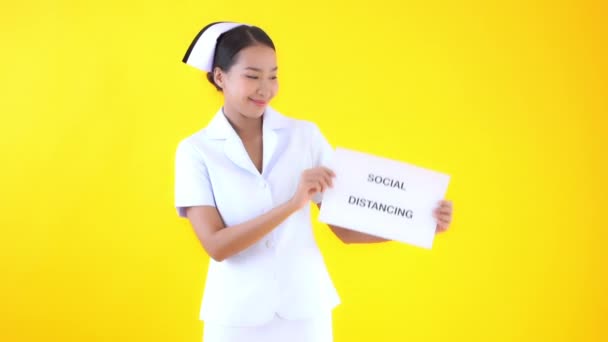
201, 51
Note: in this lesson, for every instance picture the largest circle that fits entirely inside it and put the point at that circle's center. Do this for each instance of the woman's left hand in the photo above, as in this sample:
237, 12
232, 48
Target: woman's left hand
443, 215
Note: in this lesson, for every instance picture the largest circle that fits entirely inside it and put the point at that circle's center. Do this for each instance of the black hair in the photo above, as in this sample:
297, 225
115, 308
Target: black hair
231, 42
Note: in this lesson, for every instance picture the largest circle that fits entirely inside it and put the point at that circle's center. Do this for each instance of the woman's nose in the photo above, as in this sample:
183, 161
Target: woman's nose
263, 89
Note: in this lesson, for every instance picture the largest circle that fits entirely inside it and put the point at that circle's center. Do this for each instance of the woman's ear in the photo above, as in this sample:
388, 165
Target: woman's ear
219, 77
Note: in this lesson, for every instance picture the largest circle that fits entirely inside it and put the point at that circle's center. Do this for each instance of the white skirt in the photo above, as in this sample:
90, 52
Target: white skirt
318, 329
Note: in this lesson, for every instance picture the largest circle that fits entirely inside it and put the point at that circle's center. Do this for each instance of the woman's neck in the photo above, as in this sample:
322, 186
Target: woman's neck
246, 128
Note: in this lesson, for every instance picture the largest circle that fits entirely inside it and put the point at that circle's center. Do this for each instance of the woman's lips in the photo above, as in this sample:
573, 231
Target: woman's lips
258, 103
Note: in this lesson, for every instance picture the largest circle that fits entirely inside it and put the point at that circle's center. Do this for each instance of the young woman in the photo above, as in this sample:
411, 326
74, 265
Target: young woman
245, 181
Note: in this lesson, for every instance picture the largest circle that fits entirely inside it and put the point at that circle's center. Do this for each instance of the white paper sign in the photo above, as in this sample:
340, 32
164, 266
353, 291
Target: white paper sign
383, 197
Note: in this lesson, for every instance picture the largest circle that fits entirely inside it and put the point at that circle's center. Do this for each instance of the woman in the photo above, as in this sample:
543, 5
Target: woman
245, 182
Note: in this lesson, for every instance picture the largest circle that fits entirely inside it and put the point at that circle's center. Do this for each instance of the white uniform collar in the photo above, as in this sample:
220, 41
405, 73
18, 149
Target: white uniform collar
220, 128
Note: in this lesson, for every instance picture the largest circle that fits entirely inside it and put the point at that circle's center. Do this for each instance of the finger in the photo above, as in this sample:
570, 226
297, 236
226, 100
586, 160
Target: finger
329, 171
440, 229
443, 225
325, 183
323, 177
444, 218
317, 185
445, 203
443, 211
444, 206
311, 177
312, 187
328, 180
323, 172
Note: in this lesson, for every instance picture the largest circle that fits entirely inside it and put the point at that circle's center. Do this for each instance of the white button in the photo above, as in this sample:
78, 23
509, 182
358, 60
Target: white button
268, 244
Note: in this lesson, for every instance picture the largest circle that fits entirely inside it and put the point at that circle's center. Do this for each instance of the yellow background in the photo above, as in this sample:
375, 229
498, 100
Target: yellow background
509, 98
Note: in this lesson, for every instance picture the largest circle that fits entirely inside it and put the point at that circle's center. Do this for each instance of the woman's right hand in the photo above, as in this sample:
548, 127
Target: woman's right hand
313, 180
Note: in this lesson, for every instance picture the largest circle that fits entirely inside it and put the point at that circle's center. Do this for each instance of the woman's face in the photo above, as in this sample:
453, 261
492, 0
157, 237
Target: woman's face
251, 82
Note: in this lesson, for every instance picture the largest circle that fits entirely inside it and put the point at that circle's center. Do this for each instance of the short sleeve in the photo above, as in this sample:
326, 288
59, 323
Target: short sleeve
322, 152
192, 184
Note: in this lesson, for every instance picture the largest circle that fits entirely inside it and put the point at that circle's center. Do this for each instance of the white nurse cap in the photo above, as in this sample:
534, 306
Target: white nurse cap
202, 49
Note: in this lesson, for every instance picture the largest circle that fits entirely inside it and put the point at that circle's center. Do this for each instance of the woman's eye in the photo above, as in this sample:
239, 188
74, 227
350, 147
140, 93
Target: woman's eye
256, 77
